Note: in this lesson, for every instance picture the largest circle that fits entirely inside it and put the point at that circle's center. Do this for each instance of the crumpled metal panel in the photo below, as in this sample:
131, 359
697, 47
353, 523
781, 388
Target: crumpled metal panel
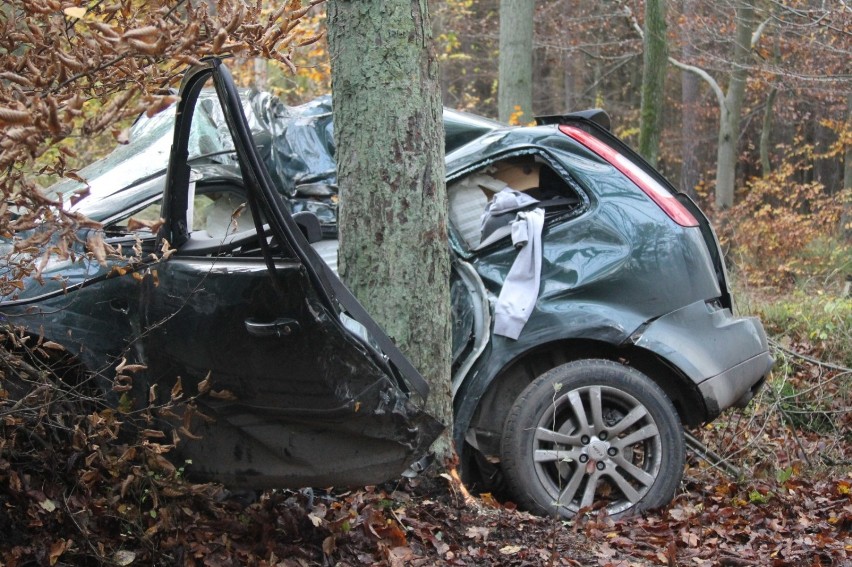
296, 144
296, 401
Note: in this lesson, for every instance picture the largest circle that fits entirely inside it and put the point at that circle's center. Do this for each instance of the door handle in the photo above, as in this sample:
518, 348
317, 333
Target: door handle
280, 328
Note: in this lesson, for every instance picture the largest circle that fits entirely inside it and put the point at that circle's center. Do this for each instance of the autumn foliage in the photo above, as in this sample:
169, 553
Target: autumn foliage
784, 229
70, 72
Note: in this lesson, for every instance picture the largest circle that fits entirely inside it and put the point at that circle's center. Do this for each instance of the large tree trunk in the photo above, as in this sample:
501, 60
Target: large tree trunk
514, 85
389, 134
731, 109
654, 64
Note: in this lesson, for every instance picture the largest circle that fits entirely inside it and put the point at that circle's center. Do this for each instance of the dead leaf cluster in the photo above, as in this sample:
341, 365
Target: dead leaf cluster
70, 71
81, 482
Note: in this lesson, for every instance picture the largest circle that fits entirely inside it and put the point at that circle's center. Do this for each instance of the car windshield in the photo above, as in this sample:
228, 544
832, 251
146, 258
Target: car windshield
145, 155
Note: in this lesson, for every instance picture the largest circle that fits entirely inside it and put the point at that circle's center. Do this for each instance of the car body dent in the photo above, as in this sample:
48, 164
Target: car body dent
715, 354
471, 320
280, 425
91, 321
609, 271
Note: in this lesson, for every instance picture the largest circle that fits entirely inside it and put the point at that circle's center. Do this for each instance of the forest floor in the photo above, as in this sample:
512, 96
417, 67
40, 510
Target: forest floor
788, 503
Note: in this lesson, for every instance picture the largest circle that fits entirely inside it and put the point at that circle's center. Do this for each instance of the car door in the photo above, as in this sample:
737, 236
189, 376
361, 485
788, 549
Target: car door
301, 386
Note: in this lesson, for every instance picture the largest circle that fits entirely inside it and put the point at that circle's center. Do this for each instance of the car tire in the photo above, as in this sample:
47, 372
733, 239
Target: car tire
561, 451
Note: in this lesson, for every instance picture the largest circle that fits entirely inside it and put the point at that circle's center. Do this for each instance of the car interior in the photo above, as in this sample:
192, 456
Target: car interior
222, 222
531, 174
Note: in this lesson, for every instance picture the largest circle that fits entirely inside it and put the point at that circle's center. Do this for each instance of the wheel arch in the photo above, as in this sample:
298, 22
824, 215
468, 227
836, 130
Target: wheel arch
481, 419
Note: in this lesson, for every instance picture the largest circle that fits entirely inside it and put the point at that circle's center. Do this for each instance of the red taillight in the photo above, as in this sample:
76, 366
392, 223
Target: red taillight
650, 186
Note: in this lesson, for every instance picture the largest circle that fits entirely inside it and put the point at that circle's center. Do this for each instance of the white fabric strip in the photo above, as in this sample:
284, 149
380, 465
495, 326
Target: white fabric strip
520, 290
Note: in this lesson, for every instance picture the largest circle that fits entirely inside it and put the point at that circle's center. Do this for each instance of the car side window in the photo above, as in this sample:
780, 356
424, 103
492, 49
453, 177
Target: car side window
221, 213
529, 174
140, 222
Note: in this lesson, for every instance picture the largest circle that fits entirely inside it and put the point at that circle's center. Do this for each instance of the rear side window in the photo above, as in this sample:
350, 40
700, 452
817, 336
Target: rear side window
529, 174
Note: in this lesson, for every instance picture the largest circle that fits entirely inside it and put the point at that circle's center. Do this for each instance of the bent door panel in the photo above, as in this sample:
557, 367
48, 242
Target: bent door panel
295, 398
284, 399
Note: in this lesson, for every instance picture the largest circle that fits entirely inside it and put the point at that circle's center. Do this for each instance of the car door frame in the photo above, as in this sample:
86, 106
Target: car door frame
259, 185
262, 437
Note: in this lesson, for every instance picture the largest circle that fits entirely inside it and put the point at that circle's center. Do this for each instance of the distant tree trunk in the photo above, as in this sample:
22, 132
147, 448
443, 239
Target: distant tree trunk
390, 158
261, 73
654, 64
846, 217
689, 174
514, 84
572, 72
573, 81
826, 171
766, 132
847, 170
768, 115
731, 109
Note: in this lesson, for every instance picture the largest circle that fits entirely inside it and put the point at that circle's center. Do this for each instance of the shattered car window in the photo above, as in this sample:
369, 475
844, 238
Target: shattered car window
128, 164
210, 138
530, 175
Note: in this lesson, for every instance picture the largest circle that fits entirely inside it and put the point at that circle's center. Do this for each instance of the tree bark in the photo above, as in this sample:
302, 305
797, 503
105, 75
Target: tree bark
654, 63
514, 84
847, 170
261, 73
689, 173
731, 109
389, 134
768, 116
846, 216
766, 132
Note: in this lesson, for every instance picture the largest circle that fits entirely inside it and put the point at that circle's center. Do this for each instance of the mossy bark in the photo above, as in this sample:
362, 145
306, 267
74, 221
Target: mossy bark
514, 87
654, 64
390, 160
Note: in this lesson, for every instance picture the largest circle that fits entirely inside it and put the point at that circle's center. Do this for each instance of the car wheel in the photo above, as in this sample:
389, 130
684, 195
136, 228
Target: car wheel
592, 433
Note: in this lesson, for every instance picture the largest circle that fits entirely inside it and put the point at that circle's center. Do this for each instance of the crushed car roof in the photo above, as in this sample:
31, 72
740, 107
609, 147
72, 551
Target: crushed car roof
296, 142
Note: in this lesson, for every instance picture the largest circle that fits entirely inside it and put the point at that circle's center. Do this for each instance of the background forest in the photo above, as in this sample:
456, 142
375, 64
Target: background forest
780, 483
793, 137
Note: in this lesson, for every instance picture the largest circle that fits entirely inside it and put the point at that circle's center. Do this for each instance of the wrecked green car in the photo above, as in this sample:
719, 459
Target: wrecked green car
592, 315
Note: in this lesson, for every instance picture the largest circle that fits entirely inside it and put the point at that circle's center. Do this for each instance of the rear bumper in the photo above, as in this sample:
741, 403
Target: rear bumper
736, 386
726, 357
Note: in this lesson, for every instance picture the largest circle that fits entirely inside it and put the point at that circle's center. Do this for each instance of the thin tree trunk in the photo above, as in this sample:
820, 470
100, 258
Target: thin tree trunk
729, 119
390, 157
846, 217
261, 73
766, 132
689, 174
847, 170
514, 85
768, 115
654, 64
